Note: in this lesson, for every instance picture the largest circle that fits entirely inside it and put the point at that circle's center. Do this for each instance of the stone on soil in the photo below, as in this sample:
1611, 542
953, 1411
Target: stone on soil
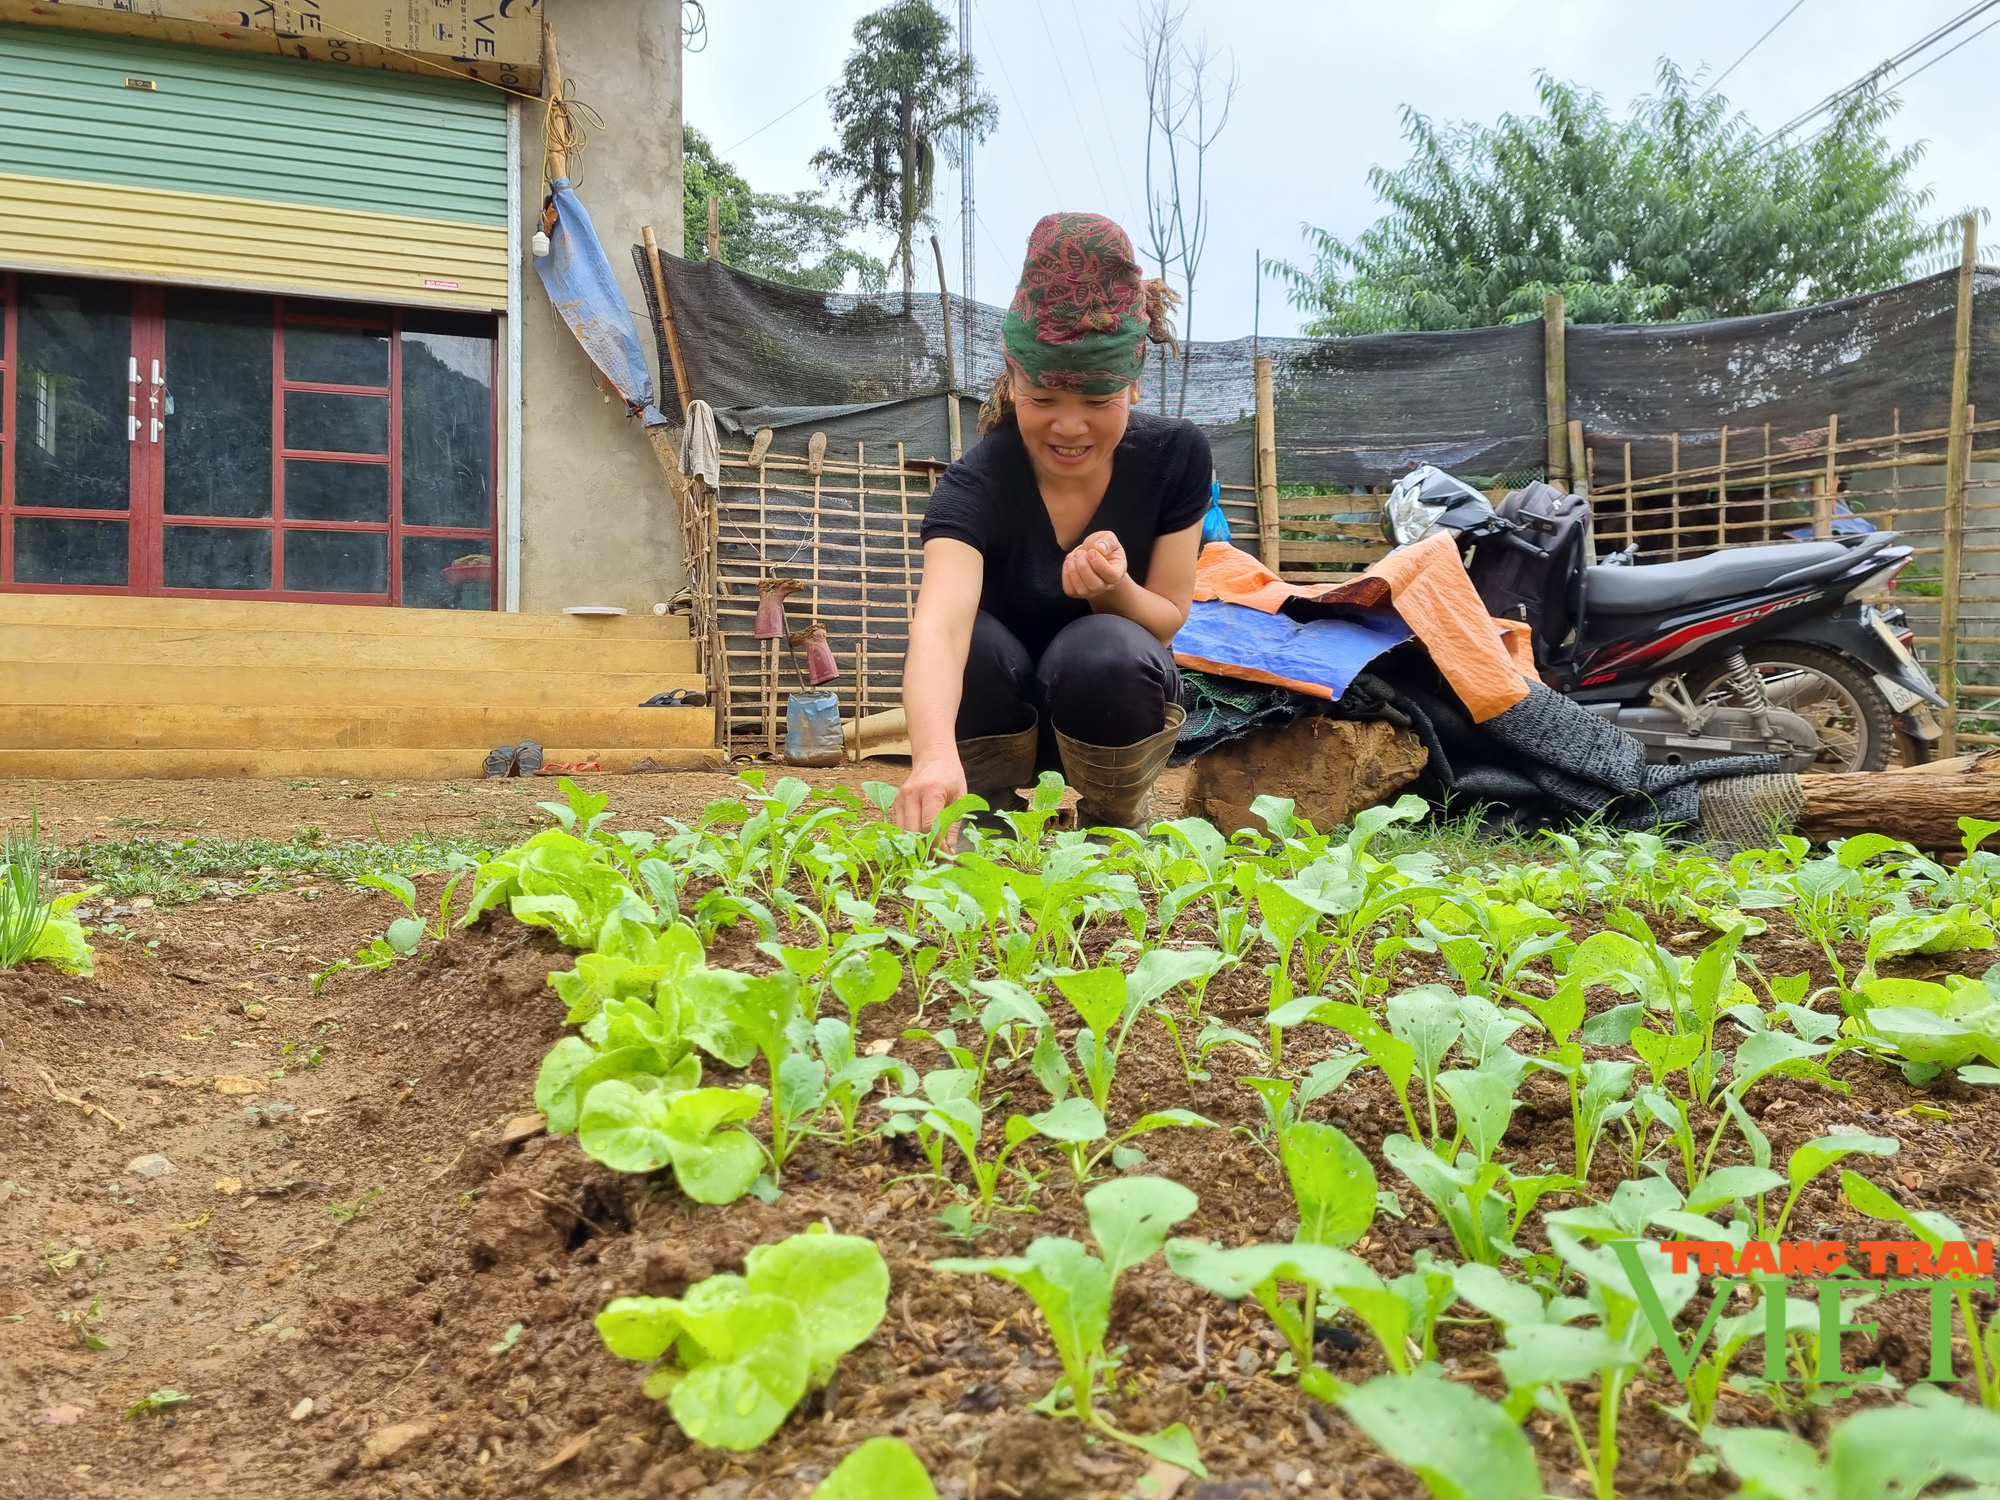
387, 1444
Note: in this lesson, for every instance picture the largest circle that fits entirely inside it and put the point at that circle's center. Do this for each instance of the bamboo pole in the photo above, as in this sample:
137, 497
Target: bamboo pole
1267, 467
1829, 482
1579, 461
555, 159
1957, 447
667, 317
1555, 390
952, 414
714, 227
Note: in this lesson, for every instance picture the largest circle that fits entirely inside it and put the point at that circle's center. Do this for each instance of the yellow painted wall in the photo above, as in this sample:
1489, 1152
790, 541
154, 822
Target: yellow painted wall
152, 234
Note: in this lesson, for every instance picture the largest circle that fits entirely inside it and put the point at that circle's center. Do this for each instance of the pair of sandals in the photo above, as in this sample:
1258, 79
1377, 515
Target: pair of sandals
678, 698
524, 759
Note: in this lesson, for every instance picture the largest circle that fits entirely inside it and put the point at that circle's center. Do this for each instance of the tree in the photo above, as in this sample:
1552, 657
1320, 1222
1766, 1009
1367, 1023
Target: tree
795, 238
1187, 104
903, 93
1680, 212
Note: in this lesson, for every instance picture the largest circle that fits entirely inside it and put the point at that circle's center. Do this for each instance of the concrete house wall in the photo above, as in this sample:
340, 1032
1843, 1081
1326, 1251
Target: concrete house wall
597, 522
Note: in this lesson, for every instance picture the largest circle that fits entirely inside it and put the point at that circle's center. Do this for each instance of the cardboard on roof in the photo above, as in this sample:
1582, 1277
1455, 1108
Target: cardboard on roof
496, 41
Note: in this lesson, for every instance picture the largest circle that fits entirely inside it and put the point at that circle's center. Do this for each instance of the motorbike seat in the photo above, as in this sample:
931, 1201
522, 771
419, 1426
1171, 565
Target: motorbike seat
1650, 587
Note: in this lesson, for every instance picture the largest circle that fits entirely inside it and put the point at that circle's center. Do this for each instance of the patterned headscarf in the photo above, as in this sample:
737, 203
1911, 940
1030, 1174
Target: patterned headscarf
1082, 314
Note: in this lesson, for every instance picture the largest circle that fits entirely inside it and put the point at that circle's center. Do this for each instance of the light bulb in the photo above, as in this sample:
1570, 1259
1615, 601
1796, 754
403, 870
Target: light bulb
539, 245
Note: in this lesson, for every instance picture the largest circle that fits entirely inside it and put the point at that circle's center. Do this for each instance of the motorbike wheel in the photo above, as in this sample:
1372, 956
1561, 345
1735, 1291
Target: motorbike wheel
1857, 727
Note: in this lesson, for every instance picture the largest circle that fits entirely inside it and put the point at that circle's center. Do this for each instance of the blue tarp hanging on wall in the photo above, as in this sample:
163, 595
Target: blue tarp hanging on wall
579, 282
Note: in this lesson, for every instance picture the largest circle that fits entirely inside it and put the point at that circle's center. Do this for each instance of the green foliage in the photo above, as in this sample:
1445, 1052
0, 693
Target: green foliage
1072, 1289
747, 1348
1462, 1446
795, 238
1673, 213
904, 95
880, 1469
173, 871
159, 1400
36, 925
1899, 1450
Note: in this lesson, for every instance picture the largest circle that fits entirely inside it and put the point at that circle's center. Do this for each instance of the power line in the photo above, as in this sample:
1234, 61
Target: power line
1951, 49
785, 116
1069, 94
1110, 131
1008, 79
1881, 70
1750, 49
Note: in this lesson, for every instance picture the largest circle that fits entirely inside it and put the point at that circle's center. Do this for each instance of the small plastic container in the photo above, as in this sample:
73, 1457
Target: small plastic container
812, 730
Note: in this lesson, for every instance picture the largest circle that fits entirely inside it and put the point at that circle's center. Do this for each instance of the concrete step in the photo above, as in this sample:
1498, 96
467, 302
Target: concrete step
463, 764
347, 619
125, 726
221, 649
68, 682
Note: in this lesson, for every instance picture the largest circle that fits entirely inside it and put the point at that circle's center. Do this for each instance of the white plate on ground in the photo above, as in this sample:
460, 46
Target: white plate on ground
595, 609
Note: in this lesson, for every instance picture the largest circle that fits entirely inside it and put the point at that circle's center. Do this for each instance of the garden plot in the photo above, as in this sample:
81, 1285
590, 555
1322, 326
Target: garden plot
1295, 1165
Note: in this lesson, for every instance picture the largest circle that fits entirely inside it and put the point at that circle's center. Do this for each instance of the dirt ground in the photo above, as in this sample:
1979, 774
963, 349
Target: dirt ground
345, 1228
501, 810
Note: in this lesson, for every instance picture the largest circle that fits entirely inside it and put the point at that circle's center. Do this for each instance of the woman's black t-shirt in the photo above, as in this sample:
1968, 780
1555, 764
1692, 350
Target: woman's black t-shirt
991, 501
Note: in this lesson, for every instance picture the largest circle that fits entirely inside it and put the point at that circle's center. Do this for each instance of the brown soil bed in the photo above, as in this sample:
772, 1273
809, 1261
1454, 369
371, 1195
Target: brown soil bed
352, 1240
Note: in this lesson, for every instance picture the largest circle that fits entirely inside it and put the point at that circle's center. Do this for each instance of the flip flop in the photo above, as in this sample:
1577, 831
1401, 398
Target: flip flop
678, 698
501, 762
569, 768
527, 758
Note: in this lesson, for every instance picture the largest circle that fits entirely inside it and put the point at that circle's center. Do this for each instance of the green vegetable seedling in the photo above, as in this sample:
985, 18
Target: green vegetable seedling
746, 1349
1072, 1289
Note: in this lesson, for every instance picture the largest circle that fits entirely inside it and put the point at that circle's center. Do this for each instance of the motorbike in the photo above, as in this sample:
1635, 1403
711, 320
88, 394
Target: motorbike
1785, 648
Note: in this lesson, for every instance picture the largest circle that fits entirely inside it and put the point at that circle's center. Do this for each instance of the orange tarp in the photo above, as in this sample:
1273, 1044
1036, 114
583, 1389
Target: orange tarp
1489, 663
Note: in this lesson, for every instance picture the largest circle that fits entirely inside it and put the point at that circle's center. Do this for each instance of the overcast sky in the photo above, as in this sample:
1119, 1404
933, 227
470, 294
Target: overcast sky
1322, 86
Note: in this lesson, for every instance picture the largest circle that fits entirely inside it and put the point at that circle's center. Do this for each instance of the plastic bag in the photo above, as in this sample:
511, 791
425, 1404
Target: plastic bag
1215, 524
812, 730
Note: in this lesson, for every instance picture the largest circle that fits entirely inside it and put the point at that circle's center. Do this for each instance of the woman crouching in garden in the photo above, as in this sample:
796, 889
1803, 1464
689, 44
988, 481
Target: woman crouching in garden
1059, 554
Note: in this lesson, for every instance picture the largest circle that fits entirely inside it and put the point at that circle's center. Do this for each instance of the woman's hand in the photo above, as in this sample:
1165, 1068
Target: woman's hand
1096, 565
931, 786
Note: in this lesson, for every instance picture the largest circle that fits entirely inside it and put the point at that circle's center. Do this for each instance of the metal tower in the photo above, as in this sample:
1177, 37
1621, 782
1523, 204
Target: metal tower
966, 284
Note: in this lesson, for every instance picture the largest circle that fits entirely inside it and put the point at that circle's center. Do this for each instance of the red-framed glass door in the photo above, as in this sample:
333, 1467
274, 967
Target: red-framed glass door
183, 442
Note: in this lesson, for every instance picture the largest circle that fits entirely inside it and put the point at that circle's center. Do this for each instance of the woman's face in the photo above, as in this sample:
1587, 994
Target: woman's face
1070, 435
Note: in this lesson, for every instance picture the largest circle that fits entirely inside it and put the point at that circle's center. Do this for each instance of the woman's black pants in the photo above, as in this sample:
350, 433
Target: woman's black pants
1104, 680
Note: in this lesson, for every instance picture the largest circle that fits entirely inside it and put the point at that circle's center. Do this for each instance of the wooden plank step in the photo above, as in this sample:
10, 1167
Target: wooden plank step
437, 726
98, 683
391, 766
265, 614
81, 645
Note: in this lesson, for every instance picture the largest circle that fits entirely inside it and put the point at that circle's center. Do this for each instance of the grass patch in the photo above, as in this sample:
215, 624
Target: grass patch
174, 871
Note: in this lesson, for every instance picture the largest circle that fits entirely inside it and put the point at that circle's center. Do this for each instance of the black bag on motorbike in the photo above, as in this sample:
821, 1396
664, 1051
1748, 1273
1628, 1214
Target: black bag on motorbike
1534, 572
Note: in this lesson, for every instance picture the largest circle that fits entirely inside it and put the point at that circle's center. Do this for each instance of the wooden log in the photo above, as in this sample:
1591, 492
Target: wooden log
1330, 768
667, 322
951, 412
1269, 548
1921, 805
1829, 482
1555, 389
1958, 445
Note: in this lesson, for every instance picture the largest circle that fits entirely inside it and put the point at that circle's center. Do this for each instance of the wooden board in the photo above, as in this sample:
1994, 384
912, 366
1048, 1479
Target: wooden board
1341, 552
392, 766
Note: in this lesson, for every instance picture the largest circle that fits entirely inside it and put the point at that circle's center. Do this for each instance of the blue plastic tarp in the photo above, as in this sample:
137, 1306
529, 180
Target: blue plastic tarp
1320, 657
580, 284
